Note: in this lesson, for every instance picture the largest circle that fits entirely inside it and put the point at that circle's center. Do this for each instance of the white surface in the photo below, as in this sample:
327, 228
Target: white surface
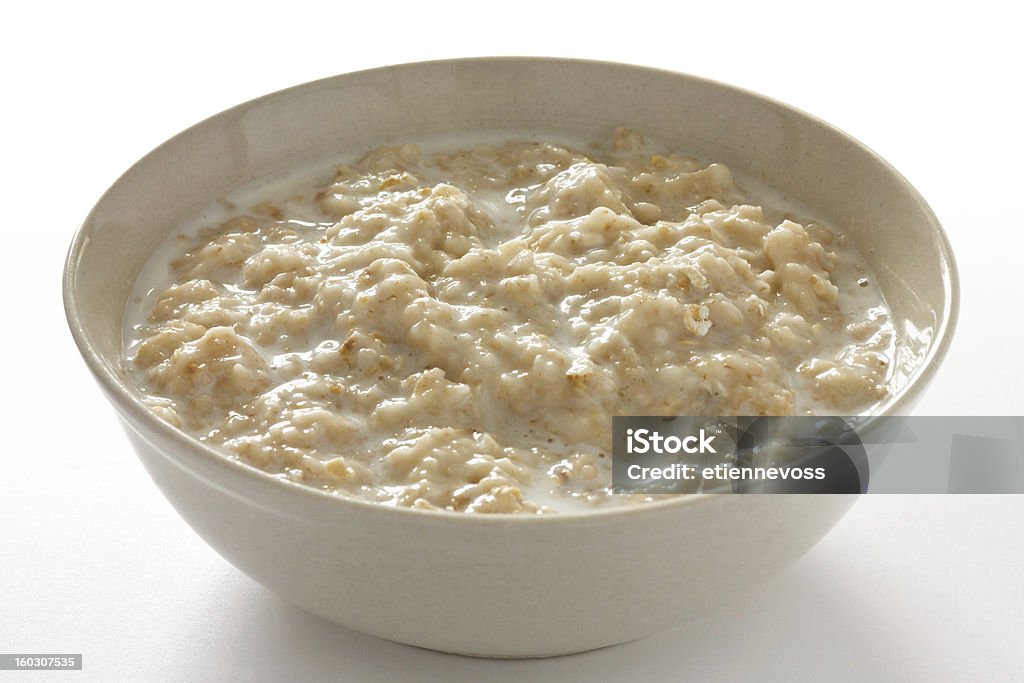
94, 561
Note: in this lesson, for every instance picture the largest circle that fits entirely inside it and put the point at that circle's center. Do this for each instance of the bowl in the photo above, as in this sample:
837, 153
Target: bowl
500, 585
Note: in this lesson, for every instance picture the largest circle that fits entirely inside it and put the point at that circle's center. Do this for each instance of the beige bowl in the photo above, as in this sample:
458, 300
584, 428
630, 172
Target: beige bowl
505, 586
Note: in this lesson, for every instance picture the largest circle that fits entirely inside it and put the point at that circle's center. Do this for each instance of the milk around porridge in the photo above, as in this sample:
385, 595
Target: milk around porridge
453, 326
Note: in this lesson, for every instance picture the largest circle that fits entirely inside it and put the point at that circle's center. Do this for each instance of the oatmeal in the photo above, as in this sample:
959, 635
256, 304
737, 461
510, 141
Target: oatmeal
454, 329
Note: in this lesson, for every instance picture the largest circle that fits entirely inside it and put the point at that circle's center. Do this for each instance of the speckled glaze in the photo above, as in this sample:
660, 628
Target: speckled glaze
499, 585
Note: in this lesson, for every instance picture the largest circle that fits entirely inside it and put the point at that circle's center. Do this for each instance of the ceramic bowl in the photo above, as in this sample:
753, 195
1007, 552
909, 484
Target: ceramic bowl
500, 585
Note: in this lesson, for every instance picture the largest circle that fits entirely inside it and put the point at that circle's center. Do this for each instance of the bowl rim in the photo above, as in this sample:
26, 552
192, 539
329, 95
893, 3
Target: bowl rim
130, 407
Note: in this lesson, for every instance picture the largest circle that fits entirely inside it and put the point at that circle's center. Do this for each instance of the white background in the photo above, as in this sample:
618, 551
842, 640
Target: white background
92, 558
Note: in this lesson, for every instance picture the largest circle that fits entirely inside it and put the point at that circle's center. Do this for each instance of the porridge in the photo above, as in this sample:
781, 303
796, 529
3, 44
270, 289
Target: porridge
453, 327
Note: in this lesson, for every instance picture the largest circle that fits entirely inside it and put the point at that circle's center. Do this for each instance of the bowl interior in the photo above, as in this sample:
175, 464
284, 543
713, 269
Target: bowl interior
833, 175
